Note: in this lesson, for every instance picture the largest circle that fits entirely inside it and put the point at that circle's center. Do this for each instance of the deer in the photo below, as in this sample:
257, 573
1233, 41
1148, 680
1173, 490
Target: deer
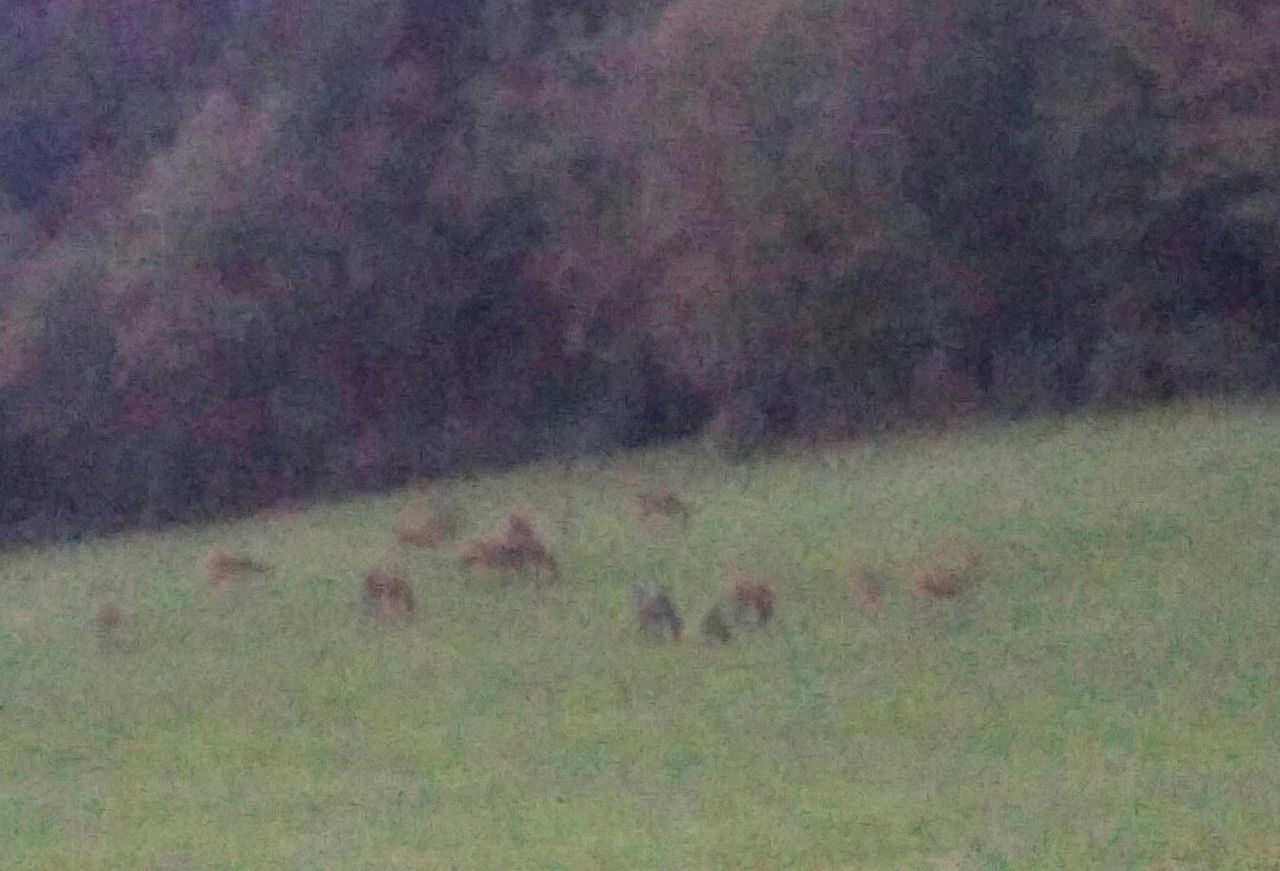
938, 583
953, 577
386, 594
109, 619
656, 612
223, 566
514, 549
662, 503
716, 627
751, 599
425, 527
867, 590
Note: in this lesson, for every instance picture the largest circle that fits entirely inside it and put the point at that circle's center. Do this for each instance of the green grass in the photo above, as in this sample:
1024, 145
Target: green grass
1108, 694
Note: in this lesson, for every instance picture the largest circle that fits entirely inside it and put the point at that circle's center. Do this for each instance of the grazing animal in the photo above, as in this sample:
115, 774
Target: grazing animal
938, 583
514, 549
716, 628
868, 592
387, 595
424, 526
488, 552
662, 503
520, 534
752, 600
954, 576
656, 612
109, 620
430, 532
222, 567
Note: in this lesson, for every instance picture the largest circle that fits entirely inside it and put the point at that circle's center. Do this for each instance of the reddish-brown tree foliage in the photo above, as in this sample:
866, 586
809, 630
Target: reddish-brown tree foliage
588, 224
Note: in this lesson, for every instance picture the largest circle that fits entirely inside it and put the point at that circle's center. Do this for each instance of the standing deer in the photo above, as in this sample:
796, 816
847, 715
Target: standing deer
663, 503
752, 600
514, 549
387, 595
716, 627
222, 567
953, 577
424, 526
656, 612
109, 620
867, 590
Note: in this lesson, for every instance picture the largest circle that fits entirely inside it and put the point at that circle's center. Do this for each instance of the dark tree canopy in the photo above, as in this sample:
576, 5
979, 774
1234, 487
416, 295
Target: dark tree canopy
257, 250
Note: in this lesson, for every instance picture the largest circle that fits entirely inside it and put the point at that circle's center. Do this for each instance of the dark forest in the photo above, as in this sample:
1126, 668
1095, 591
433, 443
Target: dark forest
282, 249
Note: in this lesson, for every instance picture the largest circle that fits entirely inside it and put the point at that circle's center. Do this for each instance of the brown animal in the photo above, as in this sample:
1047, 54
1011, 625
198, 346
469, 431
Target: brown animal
109, 621
752, 600
429, 532
868, 592
662, 503
387, 595
520, 534
222, 567
425, 526
938, 583
953, 577
656, 612
514, 549
492, 553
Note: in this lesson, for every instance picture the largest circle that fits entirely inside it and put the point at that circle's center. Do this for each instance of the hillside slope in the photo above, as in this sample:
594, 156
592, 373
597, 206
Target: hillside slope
1106, 693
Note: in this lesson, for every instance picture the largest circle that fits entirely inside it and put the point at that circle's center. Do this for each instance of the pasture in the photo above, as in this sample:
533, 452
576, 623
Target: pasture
1106, 693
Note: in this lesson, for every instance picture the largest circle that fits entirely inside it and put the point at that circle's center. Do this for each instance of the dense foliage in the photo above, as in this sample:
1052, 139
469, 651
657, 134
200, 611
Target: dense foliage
252, 250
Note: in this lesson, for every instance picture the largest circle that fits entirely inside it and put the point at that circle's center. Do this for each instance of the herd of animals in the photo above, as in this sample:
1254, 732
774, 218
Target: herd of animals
747, 602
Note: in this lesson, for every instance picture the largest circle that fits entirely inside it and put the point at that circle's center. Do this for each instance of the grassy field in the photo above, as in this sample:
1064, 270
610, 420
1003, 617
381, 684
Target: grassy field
1107, 694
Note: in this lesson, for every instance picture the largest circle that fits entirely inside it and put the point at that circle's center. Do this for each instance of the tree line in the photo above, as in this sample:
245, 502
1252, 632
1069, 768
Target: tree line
251, 251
